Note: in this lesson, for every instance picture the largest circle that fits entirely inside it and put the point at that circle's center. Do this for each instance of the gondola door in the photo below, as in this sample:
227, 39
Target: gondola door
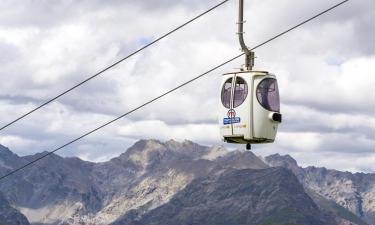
235, 110
226, 128
241, 101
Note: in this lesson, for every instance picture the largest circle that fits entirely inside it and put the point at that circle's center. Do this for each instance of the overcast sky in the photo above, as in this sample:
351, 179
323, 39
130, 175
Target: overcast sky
326, 74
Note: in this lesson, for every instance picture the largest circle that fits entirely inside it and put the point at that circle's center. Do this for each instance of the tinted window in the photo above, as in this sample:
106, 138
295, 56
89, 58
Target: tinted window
226, 93
240, 92
268, 94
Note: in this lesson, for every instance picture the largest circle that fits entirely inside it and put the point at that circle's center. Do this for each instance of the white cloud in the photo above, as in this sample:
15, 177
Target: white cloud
343, 88
156, 129
301, 140
344, 162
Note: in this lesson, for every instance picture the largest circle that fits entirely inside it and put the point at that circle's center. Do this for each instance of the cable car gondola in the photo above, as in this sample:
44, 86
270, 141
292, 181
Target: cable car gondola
250, 102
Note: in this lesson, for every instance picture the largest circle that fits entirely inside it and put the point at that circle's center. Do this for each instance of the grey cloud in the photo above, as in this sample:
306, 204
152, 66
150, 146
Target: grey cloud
357, 18
98, 148
165, 4
9, 53
293, 125
19, 99
345, 31
54, 13
30, 13
335, 106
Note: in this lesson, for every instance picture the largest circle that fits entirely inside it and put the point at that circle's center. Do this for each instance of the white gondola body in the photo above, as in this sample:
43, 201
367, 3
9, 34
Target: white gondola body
250, 107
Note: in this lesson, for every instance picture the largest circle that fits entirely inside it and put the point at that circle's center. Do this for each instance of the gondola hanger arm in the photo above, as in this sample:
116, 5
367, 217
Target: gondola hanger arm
249, 55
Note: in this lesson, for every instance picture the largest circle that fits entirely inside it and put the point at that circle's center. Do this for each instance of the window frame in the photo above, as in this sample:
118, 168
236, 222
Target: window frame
276, 90
230, 94
234, 91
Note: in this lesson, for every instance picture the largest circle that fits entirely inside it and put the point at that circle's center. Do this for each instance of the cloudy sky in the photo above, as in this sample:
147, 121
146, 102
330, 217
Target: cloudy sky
326, 74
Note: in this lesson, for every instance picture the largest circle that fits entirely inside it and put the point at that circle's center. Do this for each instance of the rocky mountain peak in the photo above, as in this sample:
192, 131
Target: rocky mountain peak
185, 146
139, 151
144, 145
241, 160
215, 152
8, 159
172, 144
175, 145
145, 152
6, 153
285, 161
53, 159
281, 160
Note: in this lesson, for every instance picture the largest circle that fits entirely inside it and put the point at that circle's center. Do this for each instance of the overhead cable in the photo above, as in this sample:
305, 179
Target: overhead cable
112, 65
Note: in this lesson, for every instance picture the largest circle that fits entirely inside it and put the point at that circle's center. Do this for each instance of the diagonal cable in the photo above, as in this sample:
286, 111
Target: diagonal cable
111, 66
168, 92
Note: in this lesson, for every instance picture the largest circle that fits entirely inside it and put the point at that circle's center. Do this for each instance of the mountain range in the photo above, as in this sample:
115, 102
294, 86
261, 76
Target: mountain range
181, 183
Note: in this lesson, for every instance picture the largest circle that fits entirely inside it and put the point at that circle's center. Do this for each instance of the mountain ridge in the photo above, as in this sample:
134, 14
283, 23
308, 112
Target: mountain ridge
240, 204
353, 191
147, 176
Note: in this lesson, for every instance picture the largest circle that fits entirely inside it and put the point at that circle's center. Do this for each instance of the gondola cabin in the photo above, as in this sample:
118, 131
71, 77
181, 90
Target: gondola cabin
250, 104
250, 107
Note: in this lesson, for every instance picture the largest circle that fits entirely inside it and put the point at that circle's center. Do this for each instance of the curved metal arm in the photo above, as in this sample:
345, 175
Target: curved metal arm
249, 60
